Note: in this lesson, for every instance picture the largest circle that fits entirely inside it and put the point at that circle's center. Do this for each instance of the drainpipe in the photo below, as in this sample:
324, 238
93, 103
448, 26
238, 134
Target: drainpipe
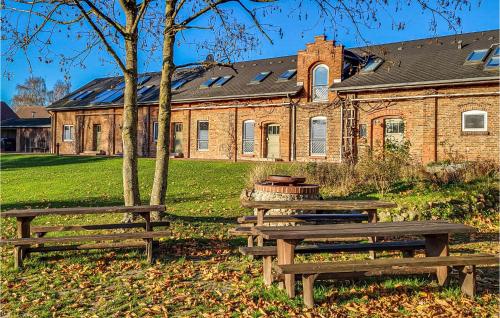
293, 126
341, 130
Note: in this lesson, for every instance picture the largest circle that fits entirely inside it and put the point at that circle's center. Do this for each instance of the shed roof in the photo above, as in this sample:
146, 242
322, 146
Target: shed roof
25, 123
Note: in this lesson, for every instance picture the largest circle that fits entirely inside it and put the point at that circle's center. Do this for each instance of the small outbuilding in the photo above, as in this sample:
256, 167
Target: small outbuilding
25, 135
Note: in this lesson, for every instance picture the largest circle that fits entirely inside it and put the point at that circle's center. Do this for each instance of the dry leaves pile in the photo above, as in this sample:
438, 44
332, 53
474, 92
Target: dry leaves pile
207, 278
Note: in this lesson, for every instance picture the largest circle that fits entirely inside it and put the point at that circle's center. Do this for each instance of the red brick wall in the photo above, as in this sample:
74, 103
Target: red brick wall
322, 51
419, 115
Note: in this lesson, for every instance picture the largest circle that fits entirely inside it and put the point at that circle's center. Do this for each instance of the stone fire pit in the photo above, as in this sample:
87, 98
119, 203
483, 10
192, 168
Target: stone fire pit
284, 188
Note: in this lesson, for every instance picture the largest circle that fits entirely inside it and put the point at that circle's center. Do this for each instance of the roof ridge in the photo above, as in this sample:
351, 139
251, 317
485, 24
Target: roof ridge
423, 39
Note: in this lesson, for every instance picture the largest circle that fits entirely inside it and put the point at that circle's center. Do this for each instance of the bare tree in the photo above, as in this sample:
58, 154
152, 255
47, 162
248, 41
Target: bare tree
103, 25
60, 90
33, 92
229, 38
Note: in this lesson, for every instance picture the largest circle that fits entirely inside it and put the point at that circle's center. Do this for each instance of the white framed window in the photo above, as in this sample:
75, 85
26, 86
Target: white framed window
475, 120
248, 137
68, 132
202, 144
155, 131
318, 136
320, 83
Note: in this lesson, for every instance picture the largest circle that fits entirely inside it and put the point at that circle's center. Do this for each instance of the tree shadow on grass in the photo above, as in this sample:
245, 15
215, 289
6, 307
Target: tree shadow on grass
28, 161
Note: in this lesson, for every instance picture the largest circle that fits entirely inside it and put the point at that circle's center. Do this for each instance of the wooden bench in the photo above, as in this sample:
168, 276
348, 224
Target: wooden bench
267, 253
25, 244
466, 266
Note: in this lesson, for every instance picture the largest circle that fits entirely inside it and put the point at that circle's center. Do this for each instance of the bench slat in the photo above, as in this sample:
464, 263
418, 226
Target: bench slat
327, 205
242, 230
82, 210
84, 238
300, 218
381, 264
332, 248
56, 228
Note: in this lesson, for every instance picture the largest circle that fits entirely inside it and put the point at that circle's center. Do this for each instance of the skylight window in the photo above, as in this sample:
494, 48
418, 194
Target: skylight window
477, 56
178, 83
143, 90
260, 77
209, 82
140, 80
372, 65
81, 95
120, 85
108, 96
143, 79
494, 60
223, 80
285, 76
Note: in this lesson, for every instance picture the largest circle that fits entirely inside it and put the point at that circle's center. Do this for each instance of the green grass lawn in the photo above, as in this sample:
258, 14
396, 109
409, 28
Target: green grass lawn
198, 271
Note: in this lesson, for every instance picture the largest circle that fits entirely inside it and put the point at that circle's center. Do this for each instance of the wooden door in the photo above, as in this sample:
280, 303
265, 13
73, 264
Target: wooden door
273, 141
96, 137
177, 138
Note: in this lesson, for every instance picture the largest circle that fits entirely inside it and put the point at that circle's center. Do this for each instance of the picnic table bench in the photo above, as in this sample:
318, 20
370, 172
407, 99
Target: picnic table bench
345, 211
435, 233
25, 244
352, 211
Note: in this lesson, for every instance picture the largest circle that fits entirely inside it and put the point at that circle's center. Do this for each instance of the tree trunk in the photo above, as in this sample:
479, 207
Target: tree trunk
131, 193
159, 190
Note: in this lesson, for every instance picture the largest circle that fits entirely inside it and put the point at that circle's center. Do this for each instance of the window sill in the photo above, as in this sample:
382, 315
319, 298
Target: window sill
319, 157
248, 155
68, 140
202, 150
475, 133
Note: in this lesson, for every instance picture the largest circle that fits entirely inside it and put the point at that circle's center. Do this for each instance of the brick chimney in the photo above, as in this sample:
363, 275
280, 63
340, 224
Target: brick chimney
322, 51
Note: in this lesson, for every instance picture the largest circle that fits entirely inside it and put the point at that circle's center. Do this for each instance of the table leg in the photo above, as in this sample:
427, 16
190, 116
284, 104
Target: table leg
437, 245
260, 222
286, 255
149, 242
23, 231
372, 218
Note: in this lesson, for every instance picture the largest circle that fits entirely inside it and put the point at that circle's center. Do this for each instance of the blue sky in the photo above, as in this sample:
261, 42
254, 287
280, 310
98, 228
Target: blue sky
296, 35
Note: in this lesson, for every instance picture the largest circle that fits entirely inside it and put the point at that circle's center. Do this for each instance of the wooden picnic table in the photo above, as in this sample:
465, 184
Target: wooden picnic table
368, 206
26, 216
436, 234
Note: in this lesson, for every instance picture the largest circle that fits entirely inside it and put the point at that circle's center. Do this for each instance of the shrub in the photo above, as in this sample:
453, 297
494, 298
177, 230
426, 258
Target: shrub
339, 178
382, 170
445, 173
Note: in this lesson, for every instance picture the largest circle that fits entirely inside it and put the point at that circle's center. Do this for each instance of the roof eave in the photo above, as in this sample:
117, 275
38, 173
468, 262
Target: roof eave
186, 100
464, 81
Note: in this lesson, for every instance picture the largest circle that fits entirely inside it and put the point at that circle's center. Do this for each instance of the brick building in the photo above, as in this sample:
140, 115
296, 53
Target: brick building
327, 103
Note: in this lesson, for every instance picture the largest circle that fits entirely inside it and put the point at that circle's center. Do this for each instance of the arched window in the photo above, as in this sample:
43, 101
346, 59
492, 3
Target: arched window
318, 136
248, 136
320, 83
475, 120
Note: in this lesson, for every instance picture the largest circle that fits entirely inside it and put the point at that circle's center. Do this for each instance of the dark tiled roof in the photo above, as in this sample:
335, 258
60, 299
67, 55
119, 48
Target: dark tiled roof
237, 87
25, 122
418, 62
424, 61
32, 112
6, 112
